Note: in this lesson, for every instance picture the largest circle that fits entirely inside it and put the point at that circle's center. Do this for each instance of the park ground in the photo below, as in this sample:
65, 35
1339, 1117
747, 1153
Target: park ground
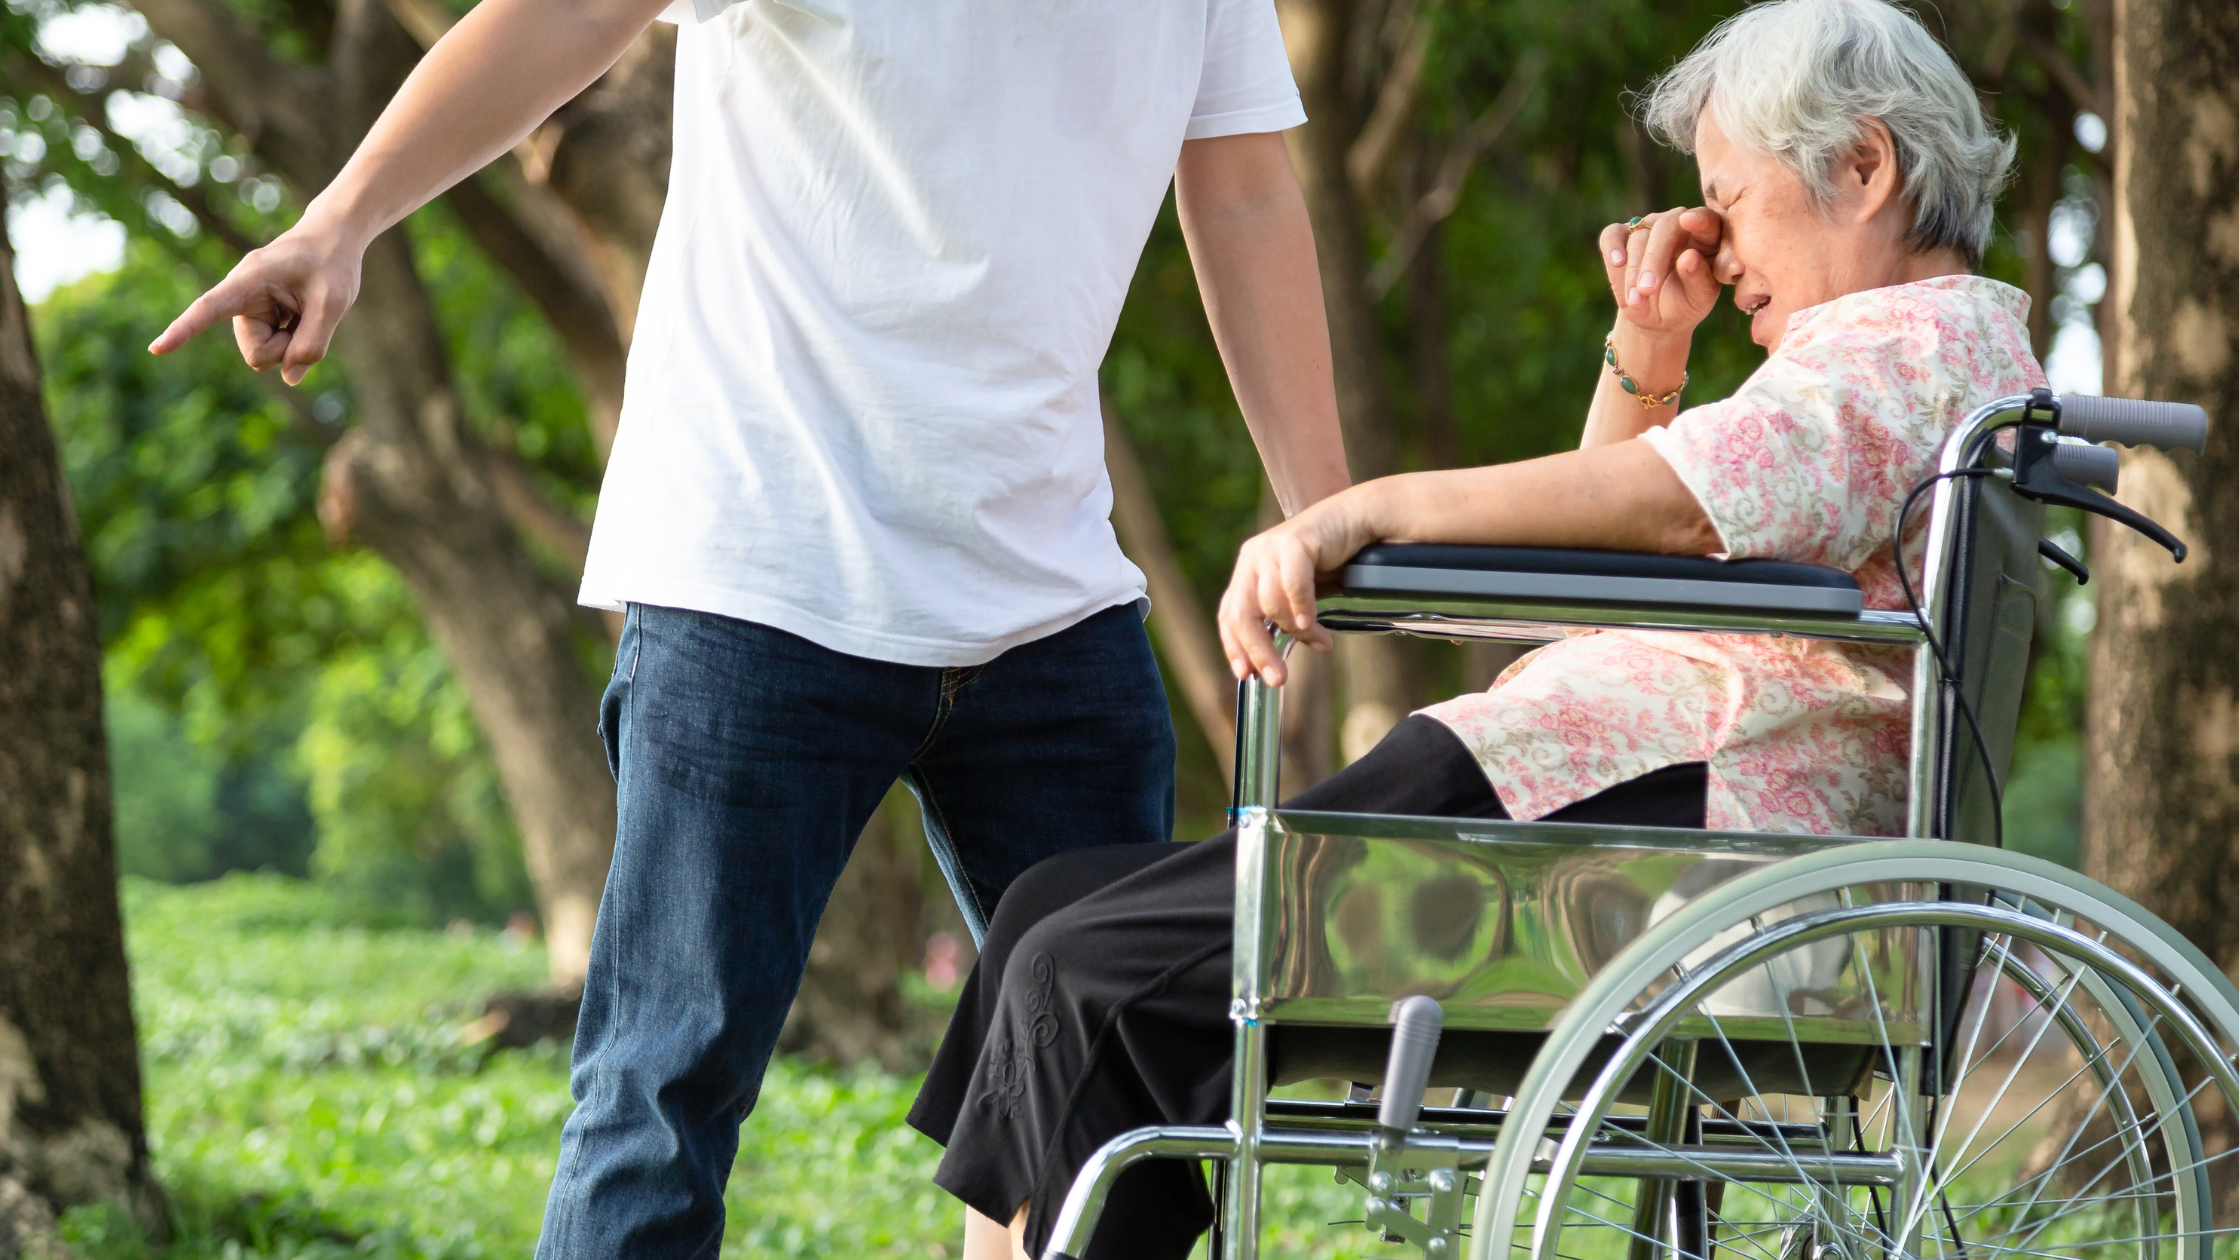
309, 1099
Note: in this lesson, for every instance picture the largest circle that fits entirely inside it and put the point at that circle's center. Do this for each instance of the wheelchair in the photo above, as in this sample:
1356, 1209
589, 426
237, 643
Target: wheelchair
1696, 1044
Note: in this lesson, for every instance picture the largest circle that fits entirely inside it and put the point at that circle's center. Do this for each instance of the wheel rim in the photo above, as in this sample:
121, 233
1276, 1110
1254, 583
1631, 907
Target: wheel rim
1980, 1217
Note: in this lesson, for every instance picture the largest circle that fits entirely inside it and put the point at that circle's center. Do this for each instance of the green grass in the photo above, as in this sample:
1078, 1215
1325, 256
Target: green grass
308, 1098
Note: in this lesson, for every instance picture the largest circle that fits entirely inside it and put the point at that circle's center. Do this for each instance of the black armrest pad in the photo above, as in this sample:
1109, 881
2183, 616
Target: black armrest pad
1563, 575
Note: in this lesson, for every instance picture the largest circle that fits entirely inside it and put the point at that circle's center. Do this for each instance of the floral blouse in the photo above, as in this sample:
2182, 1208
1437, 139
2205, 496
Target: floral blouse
1808, 461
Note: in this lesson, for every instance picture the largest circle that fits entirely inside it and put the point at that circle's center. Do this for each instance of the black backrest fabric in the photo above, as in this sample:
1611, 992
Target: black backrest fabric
1600, 564
1996, 581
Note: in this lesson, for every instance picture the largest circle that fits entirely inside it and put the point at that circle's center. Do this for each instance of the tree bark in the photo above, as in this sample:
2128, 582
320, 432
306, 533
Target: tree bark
571, 217
2162, 798
418, 492
2163, 806
1188, 645
70, 1122
1373, 676
851, 1007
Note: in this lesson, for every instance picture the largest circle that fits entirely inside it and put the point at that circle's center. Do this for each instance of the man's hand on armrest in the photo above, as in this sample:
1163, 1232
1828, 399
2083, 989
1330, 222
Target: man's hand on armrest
501, 71
1246, 224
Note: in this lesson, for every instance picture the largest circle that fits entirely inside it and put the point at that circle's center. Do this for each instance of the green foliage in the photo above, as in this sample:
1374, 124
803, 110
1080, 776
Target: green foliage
271, 694
308, 1095
166, 790
195, 487
513, 378
409, 807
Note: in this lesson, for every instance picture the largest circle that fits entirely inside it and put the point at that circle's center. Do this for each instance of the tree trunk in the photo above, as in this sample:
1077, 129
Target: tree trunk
2162, 800
70, 1124
1189, 647
2163, 808
851, 1007
417, 484
1373, 675
411, 481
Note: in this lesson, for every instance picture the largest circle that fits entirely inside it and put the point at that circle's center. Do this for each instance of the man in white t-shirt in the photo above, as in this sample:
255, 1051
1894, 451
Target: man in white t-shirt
856, 509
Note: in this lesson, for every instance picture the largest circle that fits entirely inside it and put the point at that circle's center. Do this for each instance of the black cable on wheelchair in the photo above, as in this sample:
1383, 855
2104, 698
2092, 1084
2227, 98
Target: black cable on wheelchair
1936, 645
1951, 1224
1874, 1193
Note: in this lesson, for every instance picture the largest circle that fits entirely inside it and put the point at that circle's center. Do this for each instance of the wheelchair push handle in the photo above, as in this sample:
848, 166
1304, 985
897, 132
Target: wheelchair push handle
2066, 474
2134, 422
1416, 1024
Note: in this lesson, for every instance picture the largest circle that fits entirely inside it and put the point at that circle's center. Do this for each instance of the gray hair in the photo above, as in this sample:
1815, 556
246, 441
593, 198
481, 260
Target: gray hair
1795, 78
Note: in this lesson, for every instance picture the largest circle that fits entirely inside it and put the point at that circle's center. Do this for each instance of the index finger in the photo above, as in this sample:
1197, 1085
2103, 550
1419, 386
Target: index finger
221, 303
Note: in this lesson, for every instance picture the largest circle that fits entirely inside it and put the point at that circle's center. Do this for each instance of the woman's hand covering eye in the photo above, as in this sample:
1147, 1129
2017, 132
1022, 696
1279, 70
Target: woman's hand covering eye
1661, 268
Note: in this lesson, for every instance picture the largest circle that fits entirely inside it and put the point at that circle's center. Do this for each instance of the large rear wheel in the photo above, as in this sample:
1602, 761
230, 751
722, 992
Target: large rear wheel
2057, 1121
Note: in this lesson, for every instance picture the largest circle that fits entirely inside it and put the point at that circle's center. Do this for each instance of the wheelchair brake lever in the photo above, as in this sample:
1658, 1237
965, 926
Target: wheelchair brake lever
2075, 566
2035, 477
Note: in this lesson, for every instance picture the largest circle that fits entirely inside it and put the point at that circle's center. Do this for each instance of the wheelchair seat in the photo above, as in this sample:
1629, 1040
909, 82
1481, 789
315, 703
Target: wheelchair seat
1504, 924
1615, 577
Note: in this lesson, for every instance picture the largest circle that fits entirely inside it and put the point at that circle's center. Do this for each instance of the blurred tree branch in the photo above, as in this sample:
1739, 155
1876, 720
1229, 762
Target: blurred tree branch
275, 105
1178, 622
1399, 101
94, 109
1463, 151
555, 278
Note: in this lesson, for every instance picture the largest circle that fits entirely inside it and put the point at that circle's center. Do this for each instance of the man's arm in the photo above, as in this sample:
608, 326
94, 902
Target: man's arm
496, 75
1246, 224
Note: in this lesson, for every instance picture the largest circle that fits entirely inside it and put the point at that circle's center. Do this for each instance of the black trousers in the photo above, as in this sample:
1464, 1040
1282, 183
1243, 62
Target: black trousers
1101, 1000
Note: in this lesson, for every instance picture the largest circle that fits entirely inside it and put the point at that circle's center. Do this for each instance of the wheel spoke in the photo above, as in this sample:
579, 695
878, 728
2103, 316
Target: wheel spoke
2045, 1018
2074, 977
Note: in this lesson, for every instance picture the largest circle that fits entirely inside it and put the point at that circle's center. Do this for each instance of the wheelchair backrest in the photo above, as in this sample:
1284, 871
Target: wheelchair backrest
1993, 580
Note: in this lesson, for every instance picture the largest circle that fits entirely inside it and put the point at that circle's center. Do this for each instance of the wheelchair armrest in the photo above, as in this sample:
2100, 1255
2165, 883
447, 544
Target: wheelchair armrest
1544, 574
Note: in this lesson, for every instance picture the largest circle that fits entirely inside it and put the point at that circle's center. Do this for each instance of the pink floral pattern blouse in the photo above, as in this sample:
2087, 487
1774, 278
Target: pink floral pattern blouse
1808, 461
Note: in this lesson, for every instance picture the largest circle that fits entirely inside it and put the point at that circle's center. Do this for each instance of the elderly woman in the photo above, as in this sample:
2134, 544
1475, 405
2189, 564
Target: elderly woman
1848, 175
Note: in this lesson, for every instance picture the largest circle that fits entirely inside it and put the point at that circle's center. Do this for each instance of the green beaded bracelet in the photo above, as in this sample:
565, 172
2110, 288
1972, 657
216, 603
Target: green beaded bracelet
1627, 383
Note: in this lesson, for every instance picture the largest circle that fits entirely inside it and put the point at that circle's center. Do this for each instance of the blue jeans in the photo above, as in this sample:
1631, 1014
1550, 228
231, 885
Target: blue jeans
747, 760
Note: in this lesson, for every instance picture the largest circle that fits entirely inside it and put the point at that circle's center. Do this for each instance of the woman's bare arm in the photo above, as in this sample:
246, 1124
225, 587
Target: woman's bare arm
1616, 497
1670, 253
497, 74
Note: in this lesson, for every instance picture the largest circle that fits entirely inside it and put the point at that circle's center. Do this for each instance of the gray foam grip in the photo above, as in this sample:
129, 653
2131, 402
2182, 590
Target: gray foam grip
1416, 1023
2134, 422
2087, 465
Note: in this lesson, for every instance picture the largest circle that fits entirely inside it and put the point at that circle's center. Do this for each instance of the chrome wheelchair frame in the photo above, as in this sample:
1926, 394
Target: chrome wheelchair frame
1601, 1015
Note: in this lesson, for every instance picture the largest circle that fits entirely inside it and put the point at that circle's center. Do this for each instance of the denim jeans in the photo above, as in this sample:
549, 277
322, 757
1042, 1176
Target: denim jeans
747, 760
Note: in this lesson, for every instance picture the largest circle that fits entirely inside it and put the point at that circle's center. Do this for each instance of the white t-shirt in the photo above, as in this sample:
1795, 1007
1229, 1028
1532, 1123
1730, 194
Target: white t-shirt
862, 394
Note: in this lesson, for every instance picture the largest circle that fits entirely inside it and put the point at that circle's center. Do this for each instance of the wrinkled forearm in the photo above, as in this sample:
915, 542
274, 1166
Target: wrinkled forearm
1621, 496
